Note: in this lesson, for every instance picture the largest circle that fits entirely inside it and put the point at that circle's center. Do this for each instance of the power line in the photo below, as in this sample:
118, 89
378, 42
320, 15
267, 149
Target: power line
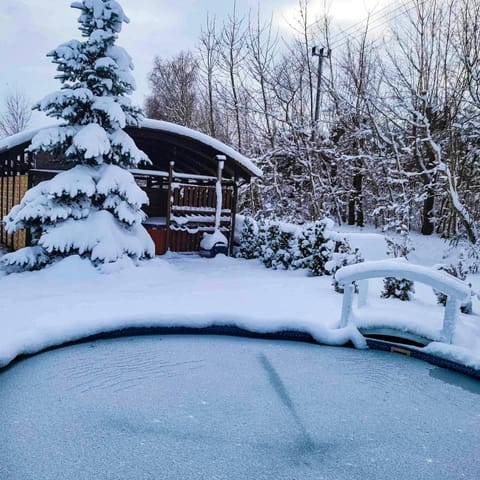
379, 22
359, 25
384, 20
373, 25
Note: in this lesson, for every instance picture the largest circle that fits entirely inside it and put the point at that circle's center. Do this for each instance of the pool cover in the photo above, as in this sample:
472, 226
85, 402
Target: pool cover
207, 407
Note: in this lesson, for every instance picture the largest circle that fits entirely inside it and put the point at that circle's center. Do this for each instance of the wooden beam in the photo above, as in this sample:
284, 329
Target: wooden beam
233, 219
218, 190
169, 205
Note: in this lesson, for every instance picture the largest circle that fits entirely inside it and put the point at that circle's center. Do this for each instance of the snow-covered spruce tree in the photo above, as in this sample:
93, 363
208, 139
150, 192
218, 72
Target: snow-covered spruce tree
276, 242
249, 242
458, 270
400, 288
314, 247
285, 247
342, 256
270, 233
93, 209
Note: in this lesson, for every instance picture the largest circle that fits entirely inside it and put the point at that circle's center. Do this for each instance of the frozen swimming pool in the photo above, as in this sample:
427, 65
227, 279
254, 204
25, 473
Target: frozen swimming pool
204, 407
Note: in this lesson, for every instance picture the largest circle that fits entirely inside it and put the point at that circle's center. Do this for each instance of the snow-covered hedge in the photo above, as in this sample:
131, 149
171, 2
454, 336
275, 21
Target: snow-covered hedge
280, 245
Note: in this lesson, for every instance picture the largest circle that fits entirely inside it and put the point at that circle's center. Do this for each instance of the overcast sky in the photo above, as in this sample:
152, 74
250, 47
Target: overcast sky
31, 28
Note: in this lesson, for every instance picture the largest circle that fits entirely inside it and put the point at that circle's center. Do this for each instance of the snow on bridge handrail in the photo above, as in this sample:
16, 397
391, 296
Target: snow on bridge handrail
400, 268
457, 291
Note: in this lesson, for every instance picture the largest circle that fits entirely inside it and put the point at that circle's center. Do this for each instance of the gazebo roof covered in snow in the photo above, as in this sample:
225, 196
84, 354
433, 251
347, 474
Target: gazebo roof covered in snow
193, 152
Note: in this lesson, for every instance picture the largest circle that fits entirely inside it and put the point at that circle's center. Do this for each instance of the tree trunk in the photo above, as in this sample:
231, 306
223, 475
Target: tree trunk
357, 184
428, 203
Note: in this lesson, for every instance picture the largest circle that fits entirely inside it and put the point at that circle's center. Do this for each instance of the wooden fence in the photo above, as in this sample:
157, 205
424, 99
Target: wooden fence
192, 204
12, 190
14, 182
193, 210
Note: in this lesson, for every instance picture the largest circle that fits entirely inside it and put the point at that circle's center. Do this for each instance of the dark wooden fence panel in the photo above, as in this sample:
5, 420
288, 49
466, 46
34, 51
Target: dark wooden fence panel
13, 185
193, 214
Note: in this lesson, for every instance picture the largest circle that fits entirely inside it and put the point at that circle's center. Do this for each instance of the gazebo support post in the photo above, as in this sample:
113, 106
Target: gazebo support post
233, 216
218, 191
169, 206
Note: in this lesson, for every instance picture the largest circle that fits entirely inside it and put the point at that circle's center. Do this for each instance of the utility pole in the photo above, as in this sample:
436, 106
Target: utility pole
321, 53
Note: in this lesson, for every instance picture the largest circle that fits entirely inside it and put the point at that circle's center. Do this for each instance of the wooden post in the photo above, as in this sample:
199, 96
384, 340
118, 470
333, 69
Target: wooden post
28, 237
233, 216
13, 175
2, 174
169, 206
218, 191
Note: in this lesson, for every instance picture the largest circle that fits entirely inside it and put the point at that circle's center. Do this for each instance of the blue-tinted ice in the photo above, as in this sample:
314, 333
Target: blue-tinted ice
185, 407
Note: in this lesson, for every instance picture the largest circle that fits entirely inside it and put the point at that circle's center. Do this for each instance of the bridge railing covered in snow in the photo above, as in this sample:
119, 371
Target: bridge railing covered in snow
458, 292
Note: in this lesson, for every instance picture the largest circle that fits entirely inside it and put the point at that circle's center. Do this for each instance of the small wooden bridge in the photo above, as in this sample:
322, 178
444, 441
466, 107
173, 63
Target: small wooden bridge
458, 293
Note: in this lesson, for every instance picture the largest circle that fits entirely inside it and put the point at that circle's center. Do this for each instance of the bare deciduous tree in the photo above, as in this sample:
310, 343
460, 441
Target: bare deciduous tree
232, 55
209, 62
398, 141
15, 114
174, 90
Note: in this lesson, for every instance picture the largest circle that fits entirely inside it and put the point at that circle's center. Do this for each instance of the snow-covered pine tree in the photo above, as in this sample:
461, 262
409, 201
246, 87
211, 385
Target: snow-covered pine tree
270, 234
314, 247
285, 247
249, 243
393, 287
342, 256
458, 270
93, 209
276, 241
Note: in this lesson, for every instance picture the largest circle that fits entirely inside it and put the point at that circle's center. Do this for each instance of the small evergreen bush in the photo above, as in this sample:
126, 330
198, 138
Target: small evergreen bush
280, 245
314, 247
470, 257
458, 270
276, 245
342, 256
249, 244
393, 287
400, 288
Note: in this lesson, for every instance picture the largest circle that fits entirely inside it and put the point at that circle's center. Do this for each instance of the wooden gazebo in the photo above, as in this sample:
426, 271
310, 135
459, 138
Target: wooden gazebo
181, 183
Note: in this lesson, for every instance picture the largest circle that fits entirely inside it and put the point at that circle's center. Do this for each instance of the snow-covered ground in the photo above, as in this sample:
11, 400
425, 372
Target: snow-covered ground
72, 300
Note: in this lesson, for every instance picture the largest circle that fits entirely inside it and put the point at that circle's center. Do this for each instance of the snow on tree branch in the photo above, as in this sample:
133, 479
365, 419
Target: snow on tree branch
93, 209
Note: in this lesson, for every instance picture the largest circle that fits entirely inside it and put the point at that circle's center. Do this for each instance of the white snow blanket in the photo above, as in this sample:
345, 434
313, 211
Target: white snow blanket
71, 300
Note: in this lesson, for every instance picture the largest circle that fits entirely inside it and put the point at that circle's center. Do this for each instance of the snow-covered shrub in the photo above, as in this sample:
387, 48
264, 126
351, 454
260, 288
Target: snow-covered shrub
314, 247
276, 244
285, 252
400, 288
458, 270
269, 233
249, 241
342, 256
94, 209
470, 255
401, 245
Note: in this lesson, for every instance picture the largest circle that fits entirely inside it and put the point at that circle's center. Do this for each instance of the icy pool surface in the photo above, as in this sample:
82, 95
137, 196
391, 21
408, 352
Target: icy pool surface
186, 408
